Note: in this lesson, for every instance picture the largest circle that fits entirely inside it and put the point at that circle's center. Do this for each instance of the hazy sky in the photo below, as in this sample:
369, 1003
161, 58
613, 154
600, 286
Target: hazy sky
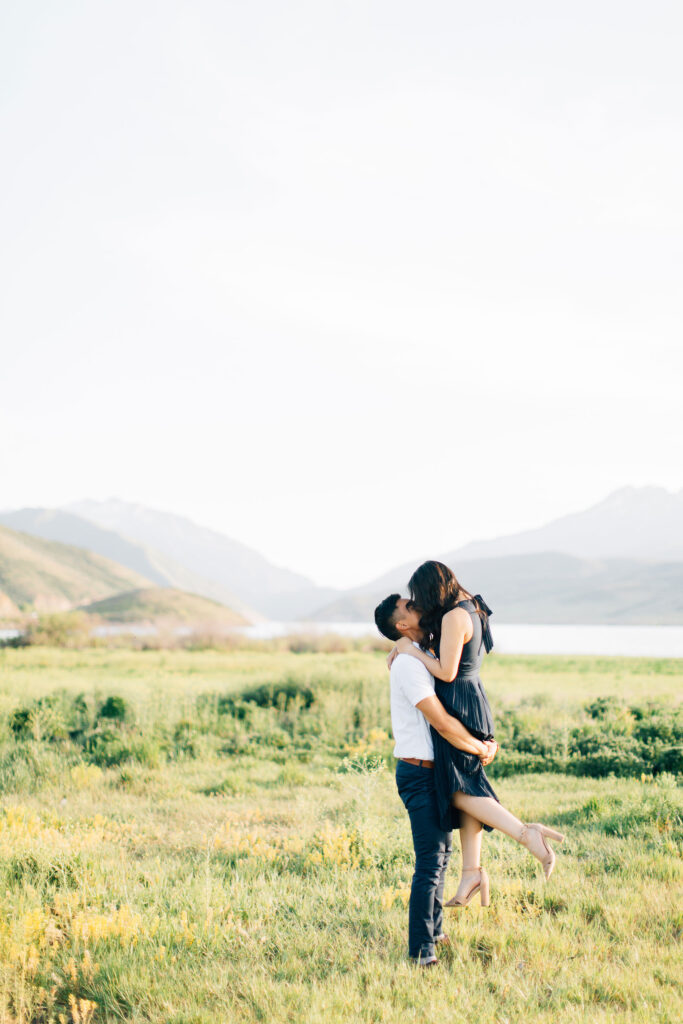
350, 281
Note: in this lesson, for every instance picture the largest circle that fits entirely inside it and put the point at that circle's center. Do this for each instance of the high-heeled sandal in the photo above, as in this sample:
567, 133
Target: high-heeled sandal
479, 884
534, 839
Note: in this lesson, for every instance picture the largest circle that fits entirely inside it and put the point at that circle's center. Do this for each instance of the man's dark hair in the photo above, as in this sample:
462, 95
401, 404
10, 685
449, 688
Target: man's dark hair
384, 617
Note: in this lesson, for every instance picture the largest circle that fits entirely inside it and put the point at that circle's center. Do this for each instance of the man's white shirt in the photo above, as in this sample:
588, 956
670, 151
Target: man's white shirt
410, 683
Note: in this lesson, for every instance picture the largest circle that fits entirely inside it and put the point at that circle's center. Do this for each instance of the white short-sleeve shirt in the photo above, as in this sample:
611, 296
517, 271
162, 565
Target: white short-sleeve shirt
410, 683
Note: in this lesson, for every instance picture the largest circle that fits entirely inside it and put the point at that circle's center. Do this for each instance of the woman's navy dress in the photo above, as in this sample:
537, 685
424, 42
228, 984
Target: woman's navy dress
466, 700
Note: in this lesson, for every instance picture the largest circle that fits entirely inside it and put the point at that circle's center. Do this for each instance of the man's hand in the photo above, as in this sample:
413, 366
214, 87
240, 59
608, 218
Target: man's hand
492, 749
452, 730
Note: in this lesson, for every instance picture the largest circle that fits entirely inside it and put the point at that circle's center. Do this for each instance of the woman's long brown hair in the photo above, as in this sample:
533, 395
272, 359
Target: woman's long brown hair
435, 590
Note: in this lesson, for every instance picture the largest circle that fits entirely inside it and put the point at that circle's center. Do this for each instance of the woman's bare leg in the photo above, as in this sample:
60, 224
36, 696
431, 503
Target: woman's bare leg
533, 837
471, 834
487, 810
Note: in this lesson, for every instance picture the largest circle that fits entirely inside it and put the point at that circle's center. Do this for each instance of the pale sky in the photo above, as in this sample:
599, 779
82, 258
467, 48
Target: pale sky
351, 282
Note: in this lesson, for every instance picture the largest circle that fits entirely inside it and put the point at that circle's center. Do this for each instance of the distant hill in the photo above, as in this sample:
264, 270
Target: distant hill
639, 523
54, 577
54, 524
618, 561
273, 591
68, 528
546, 588
164, 606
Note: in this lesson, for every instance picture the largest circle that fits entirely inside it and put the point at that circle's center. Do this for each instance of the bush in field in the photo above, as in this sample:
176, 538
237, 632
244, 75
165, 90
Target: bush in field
614, 739
605, 707
116, 709
43, 719
598, 752
57, 714
277, 695
514, 762
107, 748
659, 731
527, 744
627, 741
20, 722
100, 730
60, 714
291, 717
61, 629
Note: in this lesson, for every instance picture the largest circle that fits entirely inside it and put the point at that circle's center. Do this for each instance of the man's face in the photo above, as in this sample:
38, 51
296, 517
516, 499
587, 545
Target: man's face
407, 617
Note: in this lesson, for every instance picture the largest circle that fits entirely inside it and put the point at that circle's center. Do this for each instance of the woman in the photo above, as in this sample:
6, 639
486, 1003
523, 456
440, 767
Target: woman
455, 626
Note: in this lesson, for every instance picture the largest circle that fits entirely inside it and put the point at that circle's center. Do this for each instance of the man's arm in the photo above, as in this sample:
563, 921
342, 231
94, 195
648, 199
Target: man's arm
417, 687
450, 728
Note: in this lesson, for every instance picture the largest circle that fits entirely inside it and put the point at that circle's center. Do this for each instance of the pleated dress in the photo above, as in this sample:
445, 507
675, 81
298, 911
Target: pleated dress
465, 699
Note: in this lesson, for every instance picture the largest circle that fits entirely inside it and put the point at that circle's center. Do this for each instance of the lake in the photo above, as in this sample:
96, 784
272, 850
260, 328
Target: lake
625, 641
635, 641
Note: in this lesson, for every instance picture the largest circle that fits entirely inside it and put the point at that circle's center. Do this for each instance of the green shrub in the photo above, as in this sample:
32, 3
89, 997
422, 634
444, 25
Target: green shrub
609, 760
604, 707
80, 713
43, 719
116, 709
614, 739
20, 722
515, 762
606, 737
279, 695
61, 629
107, 748
53, 717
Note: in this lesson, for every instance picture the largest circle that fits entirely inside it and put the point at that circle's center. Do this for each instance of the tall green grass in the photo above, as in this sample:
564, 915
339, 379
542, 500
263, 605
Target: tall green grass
250, 859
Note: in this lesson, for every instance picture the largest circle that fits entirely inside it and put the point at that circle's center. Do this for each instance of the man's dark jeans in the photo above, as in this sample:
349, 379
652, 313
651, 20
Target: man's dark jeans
432, 852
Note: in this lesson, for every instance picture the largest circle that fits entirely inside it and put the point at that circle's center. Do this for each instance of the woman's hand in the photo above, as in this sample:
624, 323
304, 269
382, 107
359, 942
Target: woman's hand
492, 749
402, 646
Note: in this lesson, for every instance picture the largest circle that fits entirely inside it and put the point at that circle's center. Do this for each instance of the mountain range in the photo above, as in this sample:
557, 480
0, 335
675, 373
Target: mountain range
249, 581
639, 523
546, 587
54, 577
153, 565
620, 560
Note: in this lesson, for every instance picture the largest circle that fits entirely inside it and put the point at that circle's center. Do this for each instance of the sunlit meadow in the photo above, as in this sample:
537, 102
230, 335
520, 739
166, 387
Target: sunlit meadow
193, 837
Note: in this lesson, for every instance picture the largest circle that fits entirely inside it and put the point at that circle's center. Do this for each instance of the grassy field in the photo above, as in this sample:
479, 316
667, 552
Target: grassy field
207, 857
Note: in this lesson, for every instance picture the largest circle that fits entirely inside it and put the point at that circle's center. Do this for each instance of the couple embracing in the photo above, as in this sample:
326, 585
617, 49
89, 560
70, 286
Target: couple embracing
443, 728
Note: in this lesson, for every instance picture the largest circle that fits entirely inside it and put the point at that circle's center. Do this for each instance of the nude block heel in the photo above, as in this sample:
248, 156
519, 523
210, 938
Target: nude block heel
534, 838
477, 885
551, 833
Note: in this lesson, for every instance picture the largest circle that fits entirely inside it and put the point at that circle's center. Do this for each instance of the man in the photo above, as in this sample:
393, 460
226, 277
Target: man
414, 707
